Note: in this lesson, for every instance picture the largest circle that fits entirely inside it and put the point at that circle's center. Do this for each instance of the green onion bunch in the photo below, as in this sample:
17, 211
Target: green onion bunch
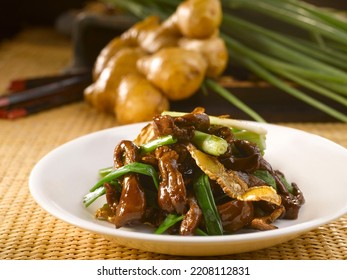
310, 50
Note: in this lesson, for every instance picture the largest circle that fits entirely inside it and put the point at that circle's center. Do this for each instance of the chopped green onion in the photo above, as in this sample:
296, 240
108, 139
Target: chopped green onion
136, 167
161, 141
94, 195
169, 221
209, 143
104, 171
204, 196
200, 232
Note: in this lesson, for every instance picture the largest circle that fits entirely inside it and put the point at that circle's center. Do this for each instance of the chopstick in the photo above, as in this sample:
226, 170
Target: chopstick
24, 84
37, 94
49, 89
39, 105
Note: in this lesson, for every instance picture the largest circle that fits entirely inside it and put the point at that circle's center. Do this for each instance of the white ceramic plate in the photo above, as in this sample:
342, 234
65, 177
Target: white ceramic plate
61, 178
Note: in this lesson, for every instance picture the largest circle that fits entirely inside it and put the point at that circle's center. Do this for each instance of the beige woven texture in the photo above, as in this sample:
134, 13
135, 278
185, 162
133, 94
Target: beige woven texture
28, 232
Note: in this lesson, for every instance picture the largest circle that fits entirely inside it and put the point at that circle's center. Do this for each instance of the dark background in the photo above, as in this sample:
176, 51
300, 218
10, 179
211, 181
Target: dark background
16, 14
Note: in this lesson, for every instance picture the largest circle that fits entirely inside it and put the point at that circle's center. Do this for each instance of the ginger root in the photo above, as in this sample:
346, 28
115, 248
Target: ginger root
103, 92
199, 19
152, 62
138, 100
214, 51
177, 72
109, 51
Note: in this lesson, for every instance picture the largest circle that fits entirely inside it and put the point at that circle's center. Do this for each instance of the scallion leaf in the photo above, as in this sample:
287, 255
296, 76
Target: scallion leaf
170, 220
204, 196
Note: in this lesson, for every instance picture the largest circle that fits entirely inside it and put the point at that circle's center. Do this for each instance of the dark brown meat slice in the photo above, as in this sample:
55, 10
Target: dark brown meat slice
265, 222
132, 202
235, 214
182, 127
192, 218
247, 159
165, 125
199, 120
124, 153
172, 190
112, 196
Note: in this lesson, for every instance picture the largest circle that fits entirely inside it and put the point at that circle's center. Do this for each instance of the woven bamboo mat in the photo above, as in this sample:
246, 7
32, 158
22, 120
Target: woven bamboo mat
28, 232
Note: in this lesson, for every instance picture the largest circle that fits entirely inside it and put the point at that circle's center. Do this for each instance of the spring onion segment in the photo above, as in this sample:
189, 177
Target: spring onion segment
161, 141
211, 144
169, 221
136, 167
207, 204
89, 198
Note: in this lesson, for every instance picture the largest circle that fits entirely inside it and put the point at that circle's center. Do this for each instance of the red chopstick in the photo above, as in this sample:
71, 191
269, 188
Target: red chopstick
50, 89
28, 83
38, 106
52, 92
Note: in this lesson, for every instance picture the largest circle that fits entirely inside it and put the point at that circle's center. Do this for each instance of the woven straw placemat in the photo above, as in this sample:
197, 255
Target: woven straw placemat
28, 232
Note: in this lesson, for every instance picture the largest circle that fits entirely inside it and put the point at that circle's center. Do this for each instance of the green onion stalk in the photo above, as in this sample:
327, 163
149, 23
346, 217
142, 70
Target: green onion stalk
99, 190
314, 57
204, 196
209, 143
169, 221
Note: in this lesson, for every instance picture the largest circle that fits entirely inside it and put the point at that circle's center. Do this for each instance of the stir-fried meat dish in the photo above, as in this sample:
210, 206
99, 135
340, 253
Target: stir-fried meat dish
190, 174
